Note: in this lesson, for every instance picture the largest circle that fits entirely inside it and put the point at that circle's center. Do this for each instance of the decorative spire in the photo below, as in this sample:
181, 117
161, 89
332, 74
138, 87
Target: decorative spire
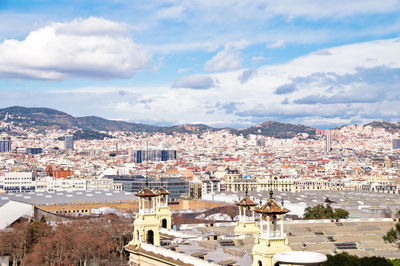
282, 202
271, 194
247, 189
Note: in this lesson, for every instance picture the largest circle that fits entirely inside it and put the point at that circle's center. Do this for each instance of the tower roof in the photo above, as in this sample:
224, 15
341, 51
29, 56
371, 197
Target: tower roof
246, 201
162, 191
271, 207
146, 193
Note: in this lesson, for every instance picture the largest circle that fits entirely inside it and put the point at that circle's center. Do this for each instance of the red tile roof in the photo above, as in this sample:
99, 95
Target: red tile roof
271, 207
146, 192
246, 201
163, 191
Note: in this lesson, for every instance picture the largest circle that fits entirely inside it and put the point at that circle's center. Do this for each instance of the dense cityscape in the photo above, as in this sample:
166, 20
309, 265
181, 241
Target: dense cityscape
52, 173
198, 132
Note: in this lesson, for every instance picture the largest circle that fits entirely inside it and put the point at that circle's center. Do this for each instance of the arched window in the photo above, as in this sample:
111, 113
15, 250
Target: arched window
150, 237
259, 263
164, 223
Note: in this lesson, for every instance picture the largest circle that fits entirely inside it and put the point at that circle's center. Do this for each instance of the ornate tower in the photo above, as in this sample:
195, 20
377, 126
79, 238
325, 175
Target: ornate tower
146, 224
246, 224
163, 212
270, 240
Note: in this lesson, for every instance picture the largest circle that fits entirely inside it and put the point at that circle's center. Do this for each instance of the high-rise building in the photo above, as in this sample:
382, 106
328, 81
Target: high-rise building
5, 144
396, 144
260, 142
69, 142
327, 142
140, 156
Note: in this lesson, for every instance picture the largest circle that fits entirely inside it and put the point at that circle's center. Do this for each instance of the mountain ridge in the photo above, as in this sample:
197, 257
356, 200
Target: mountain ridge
42, 117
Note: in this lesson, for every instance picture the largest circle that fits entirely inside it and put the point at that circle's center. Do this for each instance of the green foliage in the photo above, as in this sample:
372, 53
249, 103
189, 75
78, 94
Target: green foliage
393, 236
277, 130
344, 259
395, 262
322, 212
90, 134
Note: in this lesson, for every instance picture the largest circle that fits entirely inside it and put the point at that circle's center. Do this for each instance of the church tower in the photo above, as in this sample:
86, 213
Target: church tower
147, 224
163, 212
246, 225
270, 240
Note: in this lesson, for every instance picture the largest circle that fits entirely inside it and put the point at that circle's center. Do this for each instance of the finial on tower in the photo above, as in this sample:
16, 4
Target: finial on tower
271, 194
247, 189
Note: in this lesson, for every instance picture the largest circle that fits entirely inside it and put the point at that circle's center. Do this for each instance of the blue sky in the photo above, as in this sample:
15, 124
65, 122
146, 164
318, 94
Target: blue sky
222, 63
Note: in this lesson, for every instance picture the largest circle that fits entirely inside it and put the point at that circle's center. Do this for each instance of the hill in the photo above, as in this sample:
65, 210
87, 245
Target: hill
277, 130
45, 118
391, 127
42, 118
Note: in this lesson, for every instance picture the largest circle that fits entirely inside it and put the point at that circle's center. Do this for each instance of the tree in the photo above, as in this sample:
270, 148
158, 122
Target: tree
13, 243
393, 236
350, 260
321, 212
97, 241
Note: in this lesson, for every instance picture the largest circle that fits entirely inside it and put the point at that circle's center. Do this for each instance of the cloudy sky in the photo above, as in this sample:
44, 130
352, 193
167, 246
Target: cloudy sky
222, 63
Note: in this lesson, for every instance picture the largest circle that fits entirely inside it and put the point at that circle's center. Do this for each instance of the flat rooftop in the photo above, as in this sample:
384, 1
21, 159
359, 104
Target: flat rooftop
64, 197
361, 237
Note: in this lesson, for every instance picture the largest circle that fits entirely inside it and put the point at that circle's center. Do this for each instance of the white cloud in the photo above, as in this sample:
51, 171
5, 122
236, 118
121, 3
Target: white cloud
196, 82
320, 9
174, 12
258, 58
183, 70
277, 44
227, 59
93, 48
352, 82
314, 9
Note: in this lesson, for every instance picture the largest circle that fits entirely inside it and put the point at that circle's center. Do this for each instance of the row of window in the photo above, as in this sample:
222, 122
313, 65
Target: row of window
73, 211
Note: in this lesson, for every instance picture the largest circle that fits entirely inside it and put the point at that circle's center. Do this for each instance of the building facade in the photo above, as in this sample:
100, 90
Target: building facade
5, 144
69, 142
139, 156
135, 183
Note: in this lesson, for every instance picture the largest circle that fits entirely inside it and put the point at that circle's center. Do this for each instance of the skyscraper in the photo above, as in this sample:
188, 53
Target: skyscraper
5, 144
69, 142
396, 144
327, 142
138, 156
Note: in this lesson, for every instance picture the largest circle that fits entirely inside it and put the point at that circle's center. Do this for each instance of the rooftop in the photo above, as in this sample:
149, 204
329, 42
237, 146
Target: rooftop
68, 197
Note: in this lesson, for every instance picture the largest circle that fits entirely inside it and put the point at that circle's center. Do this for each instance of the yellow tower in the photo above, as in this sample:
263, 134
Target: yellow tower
246, 225
147, 224
163, 212
269, 242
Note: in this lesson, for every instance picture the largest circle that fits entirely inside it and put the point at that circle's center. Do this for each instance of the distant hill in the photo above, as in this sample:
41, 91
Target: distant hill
277, 130
49, 118
391, 127
44, 118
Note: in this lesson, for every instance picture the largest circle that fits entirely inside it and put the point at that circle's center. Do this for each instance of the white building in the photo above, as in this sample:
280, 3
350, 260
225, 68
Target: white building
74, 184
14, 182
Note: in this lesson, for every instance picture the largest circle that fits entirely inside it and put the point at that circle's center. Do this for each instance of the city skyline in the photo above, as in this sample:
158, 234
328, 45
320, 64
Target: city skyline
231, 63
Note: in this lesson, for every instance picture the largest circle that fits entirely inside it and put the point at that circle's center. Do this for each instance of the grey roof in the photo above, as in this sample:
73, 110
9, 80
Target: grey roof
64, 197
